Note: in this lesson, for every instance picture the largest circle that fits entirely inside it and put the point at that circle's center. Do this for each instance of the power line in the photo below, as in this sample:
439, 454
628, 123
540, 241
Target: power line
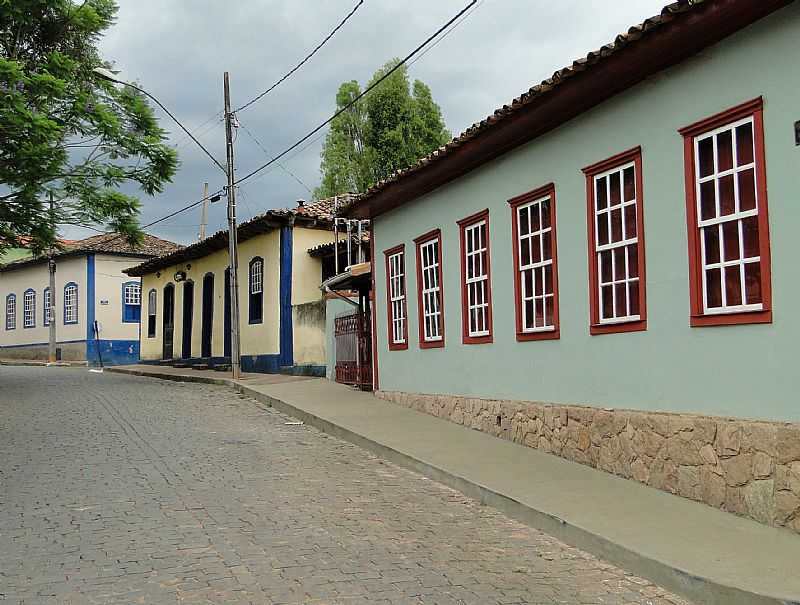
267, 153
299, 65
405, 60
447, 33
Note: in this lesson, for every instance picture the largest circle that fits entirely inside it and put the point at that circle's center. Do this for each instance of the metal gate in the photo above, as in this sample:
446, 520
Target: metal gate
353, 350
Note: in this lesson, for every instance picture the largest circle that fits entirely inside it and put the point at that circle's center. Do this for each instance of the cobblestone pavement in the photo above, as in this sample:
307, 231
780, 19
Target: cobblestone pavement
118, 489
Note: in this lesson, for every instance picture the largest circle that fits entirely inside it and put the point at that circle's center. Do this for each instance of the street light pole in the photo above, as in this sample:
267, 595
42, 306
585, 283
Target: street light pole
233, 240
51, 311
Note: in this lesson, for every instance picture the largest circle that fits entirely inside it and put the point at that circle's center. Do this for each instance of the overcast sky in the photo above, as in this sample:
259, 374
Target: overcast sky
178, 51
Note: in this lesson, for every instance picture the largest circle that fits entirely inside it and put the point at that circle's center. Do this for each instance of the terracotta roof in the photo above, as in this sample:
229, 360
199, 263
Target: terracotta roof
317, 214
106, 243
726, 16
325, 208
112, 243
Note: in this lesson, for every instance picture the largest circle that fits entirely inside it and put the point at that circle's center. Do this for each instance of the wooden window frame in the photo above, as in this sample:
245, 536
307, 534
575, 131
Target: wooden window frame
753, 109
71, 286
29, 309
433, 235
129, 315
387, 255
11, 312
596, 326
463, 225
255, 299
47, 306
540, 193
152, 312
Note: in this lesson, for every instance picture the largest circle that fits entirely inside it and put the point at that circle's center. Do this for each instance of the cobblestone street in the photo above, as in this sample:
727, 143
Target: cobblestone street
115, 489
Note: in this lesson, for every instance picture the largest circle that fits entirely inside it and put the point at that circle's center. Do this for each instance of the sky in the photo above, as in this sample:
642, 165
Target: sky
178, 51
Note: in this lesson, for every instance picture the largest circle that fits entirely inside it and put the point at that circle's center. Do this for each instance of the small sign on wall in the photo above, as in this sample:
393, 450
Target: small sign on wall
104, 302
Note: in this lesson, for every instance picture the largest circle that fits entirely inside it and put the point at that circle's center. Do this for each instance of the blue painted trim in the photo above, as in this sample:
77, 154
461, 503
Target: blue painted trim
40, 344
77, 301
286, 331
114, 352
24, 294
122, 300
9, 326
45, 322
262, 364
90, 310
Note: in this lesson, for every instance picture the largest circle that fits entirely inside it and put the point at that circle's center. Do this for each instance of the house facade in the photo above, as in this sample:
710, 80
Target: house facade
91, 292
186, 297
605, 268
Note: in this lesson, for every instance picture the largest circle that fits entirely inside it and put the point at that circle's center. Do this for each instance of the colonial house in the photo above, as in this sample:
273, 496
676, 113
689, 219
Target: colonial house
282, 314
95, 305
606, 268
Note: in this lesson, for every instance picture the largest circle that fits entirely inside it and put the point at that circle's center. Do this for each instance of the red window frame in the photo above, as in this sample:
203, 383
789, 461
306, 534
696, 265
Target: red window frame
597, 327
751, 109
387, 254
548, 190
435, 234
464, 224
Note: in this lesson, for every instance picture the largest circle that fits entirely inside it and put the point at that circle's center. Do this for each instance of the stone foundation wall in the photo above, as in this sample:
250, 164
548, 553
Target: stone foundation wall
747, 467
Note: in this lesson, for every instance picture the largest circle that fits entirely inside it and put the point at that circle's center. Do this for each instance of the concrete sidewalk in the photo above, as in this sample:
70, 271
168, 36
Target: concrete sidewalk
691, 549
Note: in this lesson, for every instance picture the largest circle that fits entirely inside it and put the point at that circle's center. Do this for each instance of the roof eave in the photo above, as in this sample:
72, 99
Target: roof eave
669, 44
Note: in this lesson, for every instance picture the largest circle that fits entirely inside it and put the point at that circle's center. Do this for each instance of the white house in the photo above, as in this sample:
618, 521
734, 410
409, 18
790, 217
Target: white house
90, 287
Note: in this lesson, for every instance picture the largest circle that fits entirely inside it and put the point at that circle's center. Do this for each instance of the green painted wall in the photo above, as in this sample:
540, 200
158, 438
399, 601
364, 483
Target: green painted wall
743, 371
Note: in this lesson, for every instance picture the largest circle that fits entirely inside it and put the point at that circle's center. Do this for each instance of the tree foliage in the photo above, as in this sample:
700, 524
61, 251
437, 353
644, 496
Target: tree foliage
392, 127
66, 132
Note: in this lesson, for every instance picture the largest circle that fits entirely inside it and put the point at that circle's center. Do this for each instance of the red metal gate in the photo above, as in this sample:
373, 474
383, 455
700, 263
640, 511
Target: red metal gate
353, 350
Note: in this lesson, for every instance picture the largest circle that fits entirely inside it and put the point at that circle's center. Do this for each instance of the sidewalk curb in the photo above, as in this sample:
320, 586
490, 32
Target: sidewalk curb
699, 589
41, 364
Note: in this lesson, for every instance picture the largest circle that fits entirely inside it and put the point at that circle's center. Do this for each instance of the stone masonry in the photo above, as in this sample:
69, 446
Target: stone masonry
747, 467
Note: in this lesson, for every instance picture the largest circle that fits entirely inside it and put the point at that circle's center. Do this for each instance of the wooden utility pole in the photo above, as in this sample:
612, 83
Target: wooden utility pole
233, 248
204, 213
51, 265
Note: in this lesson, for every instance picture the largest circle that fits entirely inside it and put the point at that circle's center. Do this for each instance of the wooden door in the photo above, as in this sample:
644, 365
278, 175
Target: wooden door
208, 315
168, 320
188, 316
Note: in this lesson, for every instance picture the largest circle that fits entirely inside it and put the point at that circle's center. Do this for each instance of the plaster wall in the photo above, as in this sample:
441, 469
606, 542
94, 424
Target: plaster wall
37, 277
741, 371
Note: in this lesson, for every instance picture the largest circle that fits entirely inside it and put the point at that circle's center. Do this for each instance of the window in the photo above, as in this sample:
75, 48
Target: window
11, 312
535, 264
47, 307
726, 210
616, 244
256, 300
151, 314
131, 302
71, 303
476, 290
29, 309
429, 290
396, 295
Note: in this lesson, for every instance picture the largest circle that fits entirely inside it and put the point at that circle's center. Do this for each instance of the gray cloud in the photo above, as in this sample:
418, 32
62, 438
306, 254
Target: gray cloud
178, 51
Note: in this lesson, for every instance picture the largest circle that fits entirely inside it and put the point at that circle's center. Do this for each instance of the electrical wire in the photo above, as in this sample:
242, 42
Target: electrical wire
447, 33
268, 154
405, 60
299, 65
311, 134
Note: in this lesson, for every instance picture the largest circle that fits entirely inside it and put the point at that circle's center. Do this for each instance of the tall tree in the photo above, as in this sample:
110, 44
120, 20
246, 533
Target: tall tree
391, 128
66, 132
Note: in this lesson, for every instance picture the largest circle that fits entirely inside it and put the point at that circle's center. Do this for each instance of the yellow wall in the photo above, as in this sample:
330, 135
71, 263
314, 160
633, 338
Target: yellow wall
108, 297
256, 339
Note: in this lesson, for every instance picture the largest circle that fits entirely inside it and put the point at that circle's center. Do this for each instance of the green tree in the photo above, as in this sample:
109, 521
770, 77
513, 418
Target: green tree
66, 132
396, 124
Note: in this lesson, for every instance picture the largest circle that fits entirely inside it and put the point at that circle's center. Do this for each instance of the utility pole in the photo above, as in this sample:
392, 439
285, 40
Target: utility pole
204, 213
233, 240
51, 265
